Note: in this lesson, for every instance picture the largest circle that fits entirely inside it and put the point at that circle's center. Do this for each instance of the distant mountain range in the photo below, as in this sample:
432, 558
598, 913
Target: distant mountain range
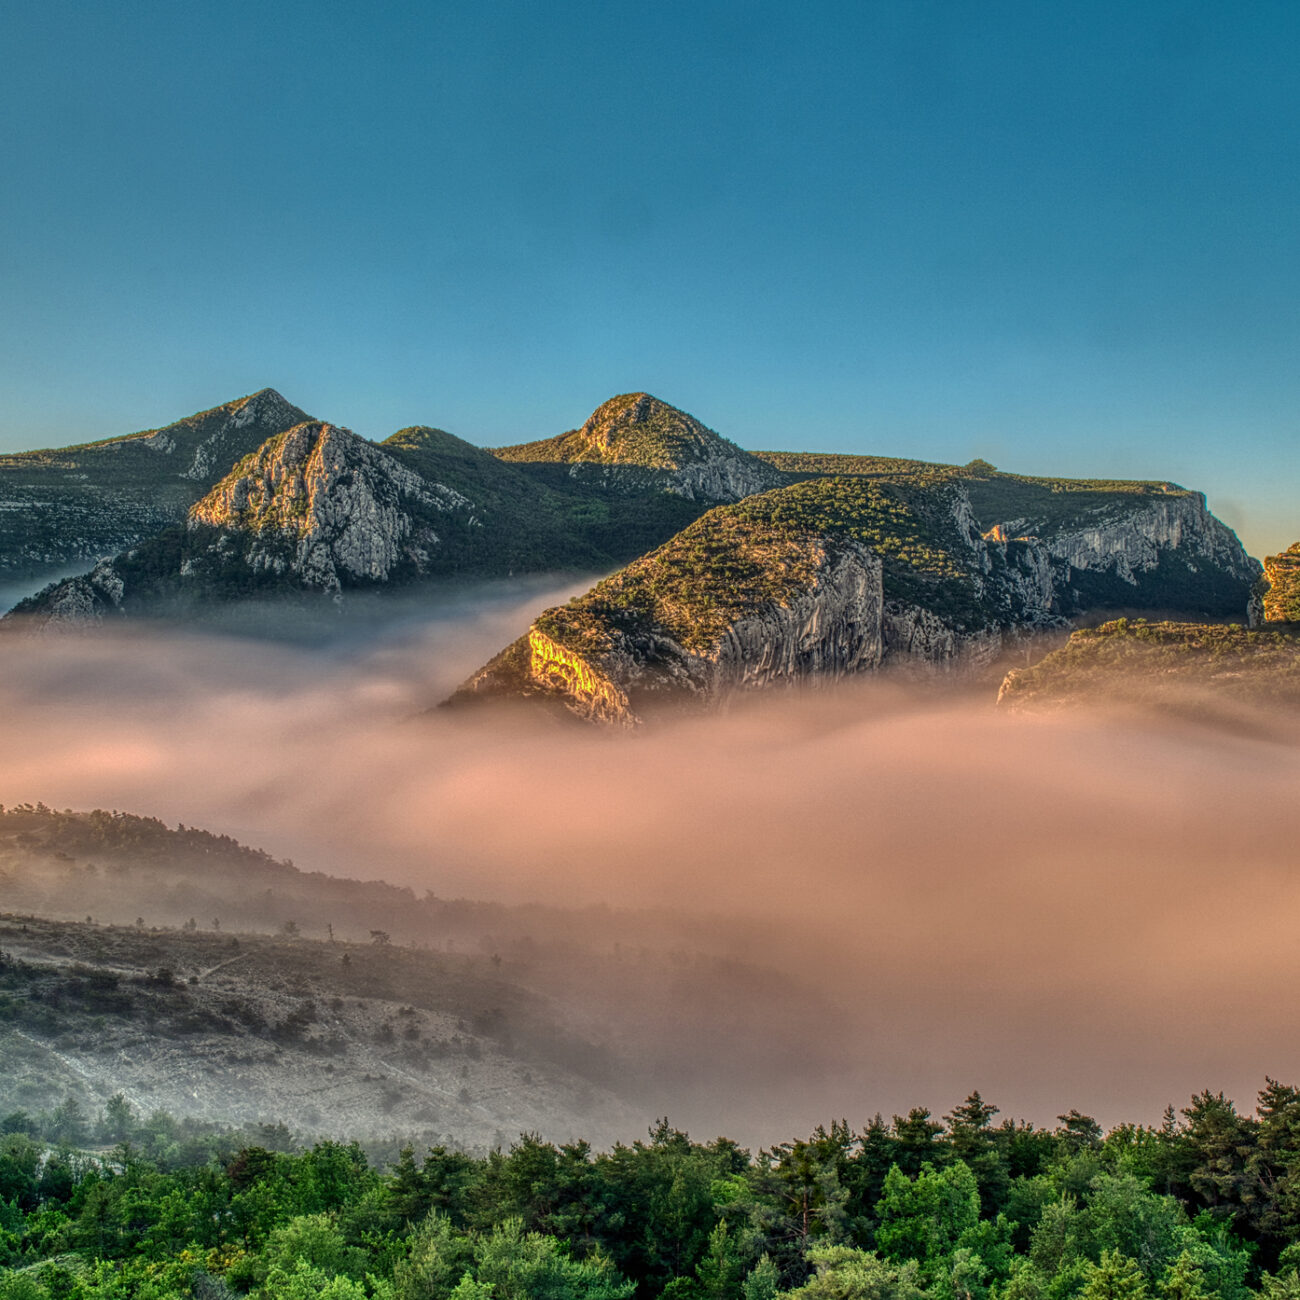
741, 569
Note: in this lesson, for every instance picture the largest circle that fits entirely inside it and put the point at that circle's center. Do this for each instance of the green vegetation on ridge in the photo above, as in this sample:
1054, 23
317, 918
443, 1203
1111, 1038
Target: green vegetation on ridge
765, 550
631, 429
528, 522
1039, 504
1157, 663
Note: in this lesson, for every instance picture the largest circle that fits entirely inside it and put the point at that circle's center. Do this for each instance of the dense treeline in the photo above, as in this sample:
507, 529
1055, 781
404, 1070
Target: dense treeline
1204, 1207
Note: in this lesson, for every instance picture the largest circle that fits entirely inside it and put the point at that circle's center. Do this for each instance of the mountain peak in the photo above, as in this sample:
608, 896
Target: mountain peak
640, 429
641, 443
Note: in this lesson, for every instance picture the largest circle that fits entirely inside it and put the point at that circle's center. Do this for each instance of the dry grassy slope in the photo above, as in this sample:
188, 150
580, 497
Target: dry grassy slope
332, 1037
616, 1016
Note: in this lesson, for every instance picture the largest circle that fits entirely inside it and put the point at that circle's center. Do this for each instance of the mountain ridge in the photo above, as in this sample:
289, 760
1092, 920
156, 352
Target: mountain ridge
702, 617
957, 558
85, 501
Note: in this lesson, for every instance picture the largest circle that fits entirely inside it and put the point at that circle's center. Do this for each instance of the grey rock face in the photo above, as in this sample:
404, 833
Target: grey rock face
719, 477
265, 410
917, 640
79, 604
327, 507
1131, 543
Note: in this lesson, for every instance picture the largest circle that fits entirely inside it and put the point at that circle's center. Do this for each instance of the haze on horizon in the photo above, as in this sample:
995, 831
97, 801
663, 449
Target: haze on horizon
1059, 239
1088, 910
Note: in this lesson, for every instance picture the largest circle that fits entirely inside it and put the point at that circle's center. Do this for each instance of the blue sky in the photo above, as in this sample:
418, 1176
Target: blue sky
1060, 237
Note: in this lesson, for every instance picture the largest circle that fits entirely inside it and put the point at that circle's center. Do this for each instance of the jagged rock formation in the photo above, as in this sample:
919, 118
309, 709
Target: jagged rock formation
85, 502
635, 442
1165, 665
324, 507
1282, 598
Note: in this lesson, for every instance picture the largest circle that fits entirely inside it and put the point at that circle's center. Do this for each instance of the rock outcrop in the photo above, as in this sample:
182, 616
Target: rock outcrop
951, 594
830, 627
322, 506
1149, 552
77, 604
1282, 598
636, 442
315, 509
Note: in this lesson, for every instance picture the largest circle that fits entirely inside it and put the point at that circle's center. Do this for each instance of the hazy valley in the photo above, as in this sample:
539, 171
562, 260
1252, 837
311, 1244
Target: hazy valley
908, 779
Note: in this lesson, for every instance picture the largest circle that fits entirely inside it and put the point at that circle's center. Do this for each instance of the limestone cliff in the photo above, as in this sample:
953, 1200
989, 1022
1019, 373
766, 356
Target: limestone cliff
314, 509
811, 582
827, 626
323, 506
1282, 597
1156, 551
951, 593
636, 442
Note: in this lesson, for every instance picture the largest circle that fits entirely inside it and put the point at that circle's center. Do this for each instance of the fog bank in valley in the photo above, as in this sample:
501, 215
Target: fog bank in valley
1076, 910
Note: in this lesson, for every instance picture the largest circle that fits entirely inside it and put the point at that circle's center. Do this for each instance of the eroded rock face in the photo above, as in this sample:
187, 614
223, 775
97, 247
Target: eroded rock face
263, 412
831, 629
1282, 598
1014, 585
325, 506
79, 604
1156, 552
918, 640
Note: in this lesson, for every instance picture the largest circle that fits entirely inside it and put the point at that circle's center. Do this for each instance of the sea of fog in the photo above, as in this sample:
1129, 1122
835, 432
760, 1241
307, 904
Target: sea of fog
1093, 909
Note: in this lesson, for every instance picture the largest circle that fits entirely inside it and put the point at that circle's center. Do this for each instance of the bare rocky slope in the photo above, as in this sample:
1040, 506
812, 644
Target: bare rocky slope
207, 978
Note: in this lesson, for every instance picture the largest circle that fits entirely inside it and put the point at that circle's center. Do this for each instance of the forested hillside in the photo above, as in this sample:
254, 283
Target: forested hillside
1205, 1206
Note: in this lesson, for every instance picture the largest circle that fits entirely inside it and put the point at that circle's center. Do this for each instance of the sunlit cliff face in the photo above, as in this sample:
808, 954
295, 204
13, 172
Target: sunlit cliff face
1087, 909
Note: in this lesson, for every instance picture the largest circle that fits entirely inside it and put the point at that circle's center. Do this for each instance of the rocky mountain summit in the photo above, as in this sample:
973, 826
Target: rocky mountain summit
316, 508
85, 502
1282, 598
635, 441
324, 506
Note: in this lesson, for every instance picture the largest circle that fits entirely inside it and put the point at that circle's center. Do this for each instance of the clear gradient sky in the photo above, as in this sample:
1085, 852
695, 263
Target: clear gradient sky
1063, 237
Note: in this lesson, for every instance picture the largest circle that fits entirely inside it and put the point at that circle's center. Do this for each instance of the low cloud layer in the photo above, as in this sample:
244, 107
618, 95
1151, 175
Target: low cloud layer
1082, 910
